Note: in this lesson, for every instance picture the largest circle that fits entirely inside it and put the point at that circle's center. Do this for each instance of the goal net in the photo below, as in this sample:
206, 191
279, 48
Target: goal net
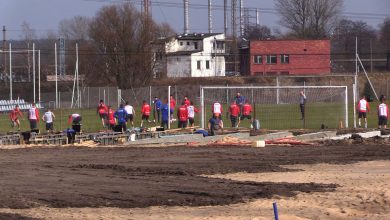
279, 107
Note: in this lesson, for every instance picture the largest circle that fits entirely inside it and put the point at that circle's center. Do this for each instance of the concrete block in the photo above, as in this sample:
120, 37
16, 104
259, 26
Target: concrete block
341, 137
317, 136
370, 134
273, 136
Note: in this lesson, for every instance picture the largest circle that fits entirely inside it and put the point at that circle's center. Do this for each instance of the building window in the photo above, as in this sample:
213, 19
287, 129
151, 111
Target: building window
207, 64
258, 59
285, 58
181, 43
271, 59
198, 65
196, 45
188, 43
220, 45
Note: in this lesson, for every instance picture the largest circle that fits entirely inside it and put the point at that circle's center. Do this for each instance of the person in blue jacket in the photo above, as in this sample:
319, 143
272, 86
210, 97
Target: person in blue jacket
121, 116
157, 109
164, 115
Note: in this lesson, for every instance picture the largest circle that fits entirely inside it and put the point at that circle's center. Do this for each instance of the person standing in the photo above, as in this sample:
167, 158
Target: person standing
187, 102
191, 114
165, 115
14, 116
121, 116
130, 113
240, 101
363, 108
172, 107
33, 117
111, 118
302, 102
246, 111
156, 109
48, 118
145, 111
234, 111
383, 114
182, 115
102, 111
217, 109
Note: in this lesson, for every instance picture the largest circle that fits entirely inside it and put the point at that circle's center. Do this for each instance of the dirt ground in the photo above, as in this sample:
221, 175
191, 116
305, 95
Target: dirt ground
307, 182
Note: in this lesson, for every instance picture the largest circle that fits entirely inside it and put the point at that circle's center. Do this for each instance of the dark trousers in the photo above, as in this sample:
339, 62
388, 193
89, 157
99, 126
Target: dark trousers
156, 115
302, 106
182, 124
124, 127
164, 124
33, 124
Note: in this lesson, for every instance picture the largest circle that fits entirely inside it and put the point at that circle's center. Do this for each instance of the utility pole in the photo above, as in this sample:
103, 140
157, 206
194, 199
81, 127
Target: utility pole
186, 17
242, 18
225, 19
210, 16
234, 18
4, 49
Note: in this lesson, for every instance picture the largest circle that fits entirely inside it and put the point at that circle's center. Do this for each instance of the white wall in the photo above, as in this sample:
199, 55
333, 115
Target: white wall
217, 65
186, 65
178, 66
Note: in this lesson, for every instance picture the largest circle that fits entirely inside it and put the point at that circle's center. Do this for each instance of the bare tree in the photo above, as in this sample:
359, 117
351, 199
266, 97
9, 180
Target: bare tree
28, 34
385, 34
76, 28
309, 18
343, 42
385, 39
258, 33
123, 37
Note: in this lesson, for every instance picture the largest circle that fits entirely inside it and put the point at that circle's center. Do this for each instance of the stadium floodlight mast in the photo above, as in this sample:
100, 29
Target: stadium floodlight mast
11, 52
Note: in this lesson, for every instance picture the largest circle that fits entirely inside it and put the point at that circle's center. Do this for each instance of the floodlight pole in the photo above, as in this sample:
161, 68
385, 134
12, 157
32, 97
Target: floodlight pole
202, 107
56, 72
169, 107
10, 71
34, 72
39, 76
355, 83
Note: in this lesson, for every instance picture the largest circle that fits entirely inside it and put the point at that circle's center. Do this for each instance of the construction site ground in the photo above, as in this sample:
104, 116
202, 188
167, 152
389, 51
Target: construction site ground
329, 179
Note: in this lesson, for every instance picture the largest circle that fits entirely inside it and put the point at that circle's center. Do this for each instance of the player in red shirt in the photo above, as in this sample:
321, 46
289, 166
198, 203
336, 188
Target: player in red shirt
145, 111
187, 102
111, 118
172, 106
246, 111
14, 116
182, 114
102, 111
234, 111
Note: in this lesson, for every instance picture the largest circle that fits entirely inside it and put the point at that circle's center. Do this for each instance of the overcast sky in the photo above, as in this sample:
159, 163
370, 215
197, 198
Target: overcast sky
44, 15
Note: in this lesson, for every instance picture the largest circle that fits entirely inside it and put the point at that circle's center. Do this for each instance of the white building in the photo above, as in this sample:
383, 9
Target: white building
192, 55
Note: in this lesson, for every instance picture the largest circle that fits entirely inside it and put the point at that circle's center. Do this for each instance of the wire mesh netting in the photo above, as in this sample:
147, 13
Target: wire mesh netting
279, 108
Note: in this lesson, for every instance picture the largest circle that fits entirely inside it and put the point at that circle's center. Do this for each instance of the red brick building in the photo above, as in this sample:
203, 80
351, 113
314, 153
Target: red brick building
286, 57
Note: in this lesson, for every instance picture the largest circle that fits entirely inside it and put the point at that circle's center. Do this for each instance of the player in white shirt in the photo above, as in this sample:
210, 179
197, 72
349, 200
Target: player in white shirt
363, 108
191, 113
383, 114
217, 110
48, 118
130, 113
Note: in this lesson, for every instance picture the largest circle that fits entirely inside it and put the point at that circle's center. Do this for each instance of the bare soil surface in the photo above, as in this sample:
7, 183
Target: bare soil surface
127, 178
